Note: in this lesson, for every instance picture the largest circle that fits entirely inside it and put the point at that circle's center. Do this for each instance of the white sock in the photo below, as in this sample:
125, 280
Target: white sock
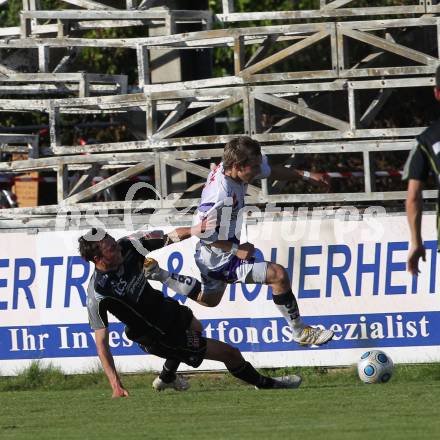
183, 284
287, 305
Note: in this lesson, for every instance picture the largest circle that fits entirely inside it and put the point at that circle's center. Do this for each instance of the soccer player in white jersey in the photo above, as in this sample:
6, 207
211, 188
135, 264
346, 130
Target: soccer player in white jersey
221, 258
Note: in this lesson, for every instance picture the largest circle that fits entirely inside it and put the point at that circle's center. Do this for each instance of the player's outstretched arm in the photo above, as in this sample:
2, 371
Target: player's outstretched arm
185, 232
108, 364
280, 172
414, 210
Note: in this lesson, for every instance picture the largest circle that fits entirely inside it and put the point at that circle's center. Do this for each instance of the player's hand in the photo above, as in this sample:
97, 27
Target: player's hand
245, 251
208, 224
205, 227
119, 391
415, 253
321, 179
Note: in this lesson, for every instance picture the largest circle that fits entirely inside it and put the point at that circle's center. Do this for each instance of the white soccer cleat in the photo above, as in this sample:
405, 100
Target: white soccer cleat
292, 381
151, 269
178, 384
313, 336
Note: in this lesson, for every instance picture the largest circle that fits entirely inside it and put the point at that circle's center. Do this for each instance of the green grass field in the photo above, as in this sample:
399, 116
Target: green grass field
331, 404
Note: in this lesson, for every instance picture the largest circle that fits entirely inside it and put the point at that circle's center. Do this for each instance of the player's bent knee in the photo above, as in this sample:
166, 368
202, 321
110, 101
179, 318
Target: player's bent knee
277, 274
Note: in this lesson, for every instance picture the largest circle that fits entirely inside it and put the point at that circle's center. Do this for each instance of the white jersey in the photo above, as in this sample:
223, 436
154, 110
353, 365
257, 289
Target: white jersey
222, 198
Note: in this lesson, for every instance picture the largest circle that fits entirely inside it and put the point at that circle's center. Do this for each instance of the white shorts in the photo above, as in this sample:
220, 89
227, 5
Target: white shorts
235, 271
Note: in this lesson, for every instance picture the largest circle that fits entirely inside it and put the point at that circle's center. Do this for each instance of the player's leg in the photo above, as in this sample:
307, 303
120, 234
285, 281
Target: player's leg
208, 293
168, 377
276, 276
183, 284
211, 292
239, 367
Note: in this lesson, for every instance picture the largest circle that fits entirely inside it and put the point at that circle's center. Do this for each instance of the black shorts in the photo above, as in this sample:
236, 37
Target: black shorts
180, 342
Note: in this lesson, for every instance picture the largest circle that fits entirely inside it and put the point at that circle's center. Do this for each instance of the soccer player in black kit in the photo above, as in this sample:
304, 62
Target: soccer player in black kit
160, 325
423, 159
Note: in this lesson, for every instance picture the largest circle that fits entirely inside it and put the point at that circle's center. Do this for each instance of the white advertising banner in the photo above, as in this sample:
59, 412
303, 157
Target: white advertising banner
347, 275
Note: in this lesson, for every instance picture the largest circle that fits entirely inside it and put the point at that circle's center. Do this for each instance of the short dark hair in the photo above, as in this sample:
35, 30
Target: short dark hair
89, 245
239, 151
437, 77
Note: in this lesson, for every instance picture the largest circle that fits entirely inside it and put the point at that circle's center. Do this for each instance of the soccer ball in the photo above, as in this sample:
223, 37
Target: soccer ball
375, 366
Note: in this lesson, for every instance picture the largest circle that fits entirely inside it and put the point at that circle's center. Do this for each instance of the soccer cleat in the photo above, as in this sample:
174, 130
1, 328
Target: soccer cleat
313, 336
178, 384
292, 381
151, 269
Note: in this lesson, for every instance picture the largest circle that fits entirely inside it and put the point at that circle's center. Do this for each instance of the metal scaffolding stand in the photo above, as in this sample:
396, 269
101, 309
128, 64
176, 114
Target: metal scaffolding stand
325, 107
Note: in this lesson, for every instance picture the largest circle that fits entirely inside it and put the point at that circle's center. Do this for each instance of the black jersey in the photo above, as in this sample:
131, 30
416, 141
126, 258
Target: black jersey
423, 157
126, 293
417, 165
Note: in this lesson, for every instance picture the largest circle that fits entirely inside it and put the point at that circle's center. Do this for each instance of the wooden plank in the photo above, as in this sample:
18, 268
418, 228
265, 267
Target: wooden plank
53, 122
77, 14
13, 138
54, 89
382, 24
151, 118
85, 180
61, 77
196, 118
375, 107
284, 53
388, 71
143, 66
186, 38
368, 177
25, 27
228, 6
52, 162
62, 182
65, 61
109, 182
174, 115
89, 4
390, 46
116, 14
186, 166
352, 109
103, 147
320, 13
239, 56
43, 58
83, 86
6, 71
262, 50
335, 4
304, 111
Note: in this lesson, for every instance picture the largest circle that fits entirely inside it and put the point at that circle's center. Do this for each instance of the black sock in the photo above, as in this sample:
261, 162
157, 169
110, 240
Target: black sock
287, 300
249, 374
169, 369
